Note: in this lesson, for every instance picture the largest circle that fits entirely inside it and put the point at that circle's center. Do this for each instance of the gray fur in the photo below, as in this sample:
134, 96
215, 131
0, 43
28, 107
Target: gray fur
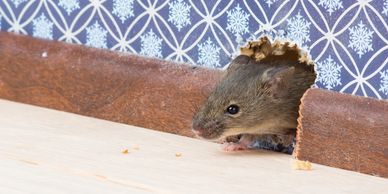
268, 93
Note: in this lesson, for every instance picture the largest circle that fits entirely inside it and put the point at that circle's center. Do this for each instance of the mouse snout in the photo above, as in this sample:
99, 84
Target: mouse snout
197, 128
208, 129
197, 132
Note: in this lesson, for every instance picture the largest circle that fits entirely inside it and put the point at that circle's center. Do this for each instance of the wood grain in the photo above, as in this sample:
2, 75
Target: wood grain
344, 131
47, 151
119, 87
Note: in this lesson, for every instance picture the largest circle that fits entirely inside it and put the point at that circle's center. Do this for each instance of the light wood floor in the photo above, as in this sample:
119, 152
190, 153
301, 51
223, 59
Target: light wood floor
47, 151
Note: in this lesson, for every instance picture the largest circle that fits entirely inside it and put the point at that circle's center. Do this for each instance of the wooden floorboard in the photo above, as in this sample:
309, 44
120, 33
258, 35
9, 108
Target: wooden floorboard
47, 151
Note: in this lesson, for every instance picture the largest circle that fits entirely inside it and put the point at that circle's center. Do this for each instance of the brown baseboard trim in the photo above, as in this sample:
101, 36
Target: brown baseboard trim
125, 88
343, 131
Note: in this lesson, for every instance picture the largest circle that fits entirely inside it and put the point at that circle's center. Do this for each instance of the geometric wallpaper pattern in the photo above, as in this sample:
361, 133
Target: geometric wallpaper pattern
348, 39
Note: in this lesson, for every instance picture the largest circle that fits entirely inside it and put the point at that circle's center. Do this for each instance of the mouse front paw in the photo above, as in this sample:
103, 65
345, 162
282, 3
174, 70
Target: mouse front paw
231, 147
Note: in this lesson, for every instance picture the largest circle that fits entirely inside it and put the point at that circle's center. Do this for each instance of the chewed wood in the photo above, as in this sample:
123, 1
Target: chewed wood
125, 88
343, 131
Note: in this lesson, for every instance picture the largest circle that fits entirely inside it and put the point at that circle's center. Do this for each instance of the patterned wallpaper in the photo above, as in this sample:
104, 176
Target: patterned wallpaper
347, 38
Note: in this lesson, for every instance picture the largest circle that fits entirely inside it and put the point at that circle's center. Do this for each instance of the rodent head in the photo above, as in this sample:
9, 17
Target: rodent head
250, 96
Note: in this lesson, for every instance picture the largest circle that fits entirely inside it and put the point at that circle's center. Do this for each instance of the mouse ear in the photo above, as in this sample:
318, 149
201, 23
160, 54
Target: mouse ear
237, 62
277, 80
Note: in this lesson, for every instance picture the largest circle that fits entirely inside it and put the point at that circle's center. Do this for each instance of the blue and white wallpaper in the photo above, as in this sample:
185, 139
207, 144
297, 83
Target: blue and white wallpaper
347, 38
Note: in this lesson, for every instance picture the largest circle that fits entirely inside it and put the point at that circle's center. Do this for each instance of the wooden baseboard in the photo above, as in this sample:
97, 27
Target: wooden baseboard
125, 88
344, 131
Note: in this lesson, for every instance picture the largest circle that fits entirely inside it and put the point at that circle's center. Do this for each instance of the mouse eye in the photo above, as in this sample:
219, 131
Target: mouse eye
233, 109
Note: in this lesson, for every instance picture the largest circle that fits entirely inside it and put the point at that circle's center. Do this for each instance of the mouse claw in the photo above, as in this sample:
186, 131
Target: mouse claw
231, 147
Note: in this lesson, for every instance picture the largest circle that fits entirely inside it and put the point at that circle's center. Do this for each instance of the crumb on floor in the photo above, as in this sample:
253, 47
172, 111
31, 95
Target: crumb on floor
125, 151
301, 165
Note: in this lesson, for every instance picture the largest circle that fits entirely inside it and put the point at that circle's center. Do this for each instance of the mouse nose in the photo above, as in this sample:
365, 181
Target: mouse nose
197, 133
196, 128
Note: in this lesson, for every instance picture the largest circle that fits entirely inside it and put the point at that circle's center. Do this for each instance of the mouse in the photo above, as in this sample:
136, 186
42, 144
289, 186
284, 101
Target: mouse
257, 97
